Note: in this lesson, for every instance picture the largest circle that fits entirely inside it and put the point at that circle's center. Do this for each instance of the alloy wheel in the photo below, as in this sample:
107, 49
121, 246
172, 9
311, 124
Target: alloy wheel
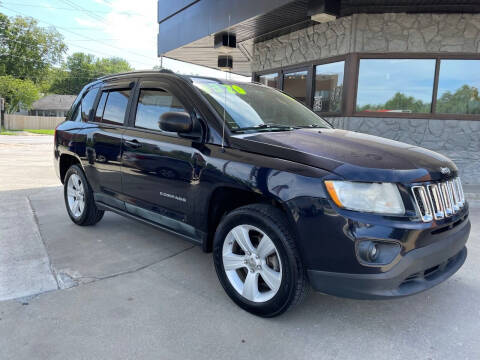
76, 195
252, 263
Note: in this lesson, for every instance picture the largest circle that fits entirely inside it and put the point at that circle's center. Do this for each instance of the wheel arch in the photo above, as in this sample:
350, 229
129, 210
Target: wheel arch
225, 199
66, 161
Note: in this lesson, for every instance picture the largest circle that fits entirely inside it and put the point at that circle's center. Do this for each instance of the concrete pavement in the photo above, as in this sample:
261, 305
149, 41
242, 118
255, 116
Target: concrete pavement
128, 291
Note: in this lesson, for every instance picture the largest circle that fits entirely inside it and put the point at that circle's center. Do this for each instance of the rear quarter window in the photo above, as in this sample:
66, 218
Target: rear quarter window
87, 103
81, 109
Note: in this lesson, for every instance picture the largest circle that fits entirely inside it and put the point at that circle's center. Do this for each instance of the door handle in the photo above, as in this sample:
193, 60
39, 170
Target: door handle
135, 144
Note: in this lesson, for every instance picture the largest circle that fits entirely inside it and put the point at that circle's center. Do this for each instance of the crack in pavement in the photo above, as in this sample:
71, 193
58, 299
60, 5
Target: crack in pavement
98, 278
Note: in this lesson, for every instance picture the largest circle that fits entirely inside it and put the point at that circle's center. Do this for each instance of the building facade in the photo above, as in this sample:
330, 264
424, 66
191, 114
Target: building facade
404, 70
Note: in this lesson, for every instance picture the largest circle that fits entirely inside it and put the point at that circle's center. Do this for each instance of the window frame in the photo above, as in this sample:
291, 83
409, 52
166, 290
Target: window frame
342, 102
389, 57
128, 84
308, 81
350, 83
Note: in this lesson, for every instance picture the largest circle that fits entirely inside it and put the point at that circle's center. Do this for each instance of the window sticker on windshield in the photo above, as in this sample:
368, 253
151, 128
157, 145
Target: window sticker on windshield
220, 88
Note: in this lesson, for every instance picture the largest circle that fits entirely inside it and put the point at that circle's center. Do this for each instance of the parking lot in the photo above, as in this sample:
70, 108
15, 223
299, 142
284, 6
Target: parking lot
124, 290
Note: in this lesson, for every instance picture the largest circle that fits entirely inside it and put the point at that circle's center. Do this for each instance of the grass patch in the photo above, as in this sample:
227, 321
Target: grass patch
41, 131
6, 132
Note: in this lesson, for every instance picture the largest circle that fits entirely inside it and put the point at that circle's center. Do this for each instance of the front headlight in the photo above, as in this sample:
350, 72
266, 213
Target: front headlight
382, 198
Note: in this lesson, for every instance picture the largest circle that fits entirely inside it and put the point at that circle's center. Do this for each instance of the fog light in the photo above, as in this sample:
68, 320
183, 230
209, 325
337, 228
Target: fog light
377, 252
373, 252
368, 250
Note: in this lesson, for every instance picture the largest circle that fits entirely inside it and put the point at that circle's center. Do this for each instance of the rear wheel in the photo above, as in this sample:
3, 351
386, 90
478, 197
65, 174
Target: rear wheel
79, 198
257, 261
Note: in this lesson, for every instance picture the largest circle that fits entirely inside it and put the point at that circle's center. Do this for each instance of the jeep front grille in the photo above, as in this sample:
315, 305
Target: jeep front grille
439, 200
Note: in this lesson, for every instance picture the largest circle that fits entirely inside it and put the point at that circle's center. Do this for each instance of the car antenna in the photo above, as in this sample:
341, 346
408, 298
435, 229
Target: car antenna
225, 94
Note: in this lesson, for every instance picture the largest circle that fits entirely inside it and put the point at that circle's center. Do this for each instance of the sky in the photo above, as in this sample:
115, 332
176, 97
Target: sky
106, 28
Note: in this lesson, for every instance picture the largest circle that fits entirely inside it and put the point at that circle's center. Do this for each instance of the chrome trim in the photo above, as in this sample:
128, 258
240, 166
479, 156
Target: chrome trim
438, 200
427, 210
446, 200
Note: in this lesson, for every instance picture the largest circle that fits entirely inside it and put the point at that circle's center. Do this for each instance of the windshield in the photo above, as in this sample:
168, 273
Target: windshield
251, 107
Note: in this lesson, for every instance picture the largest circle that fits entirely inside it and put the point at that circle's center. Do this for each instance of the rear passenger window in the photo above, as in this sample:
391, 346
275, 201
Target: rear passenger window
115, 107
87, 103
151, 105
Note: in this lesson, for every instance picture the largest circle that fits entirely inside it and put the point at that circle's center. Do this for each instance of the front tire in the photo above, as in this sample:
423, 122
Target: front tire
257, 262
79, 198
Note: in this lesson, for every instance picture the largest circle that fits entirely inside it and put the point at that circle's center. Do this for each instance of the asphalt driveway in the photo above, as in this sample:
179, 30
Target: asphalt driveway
122, 290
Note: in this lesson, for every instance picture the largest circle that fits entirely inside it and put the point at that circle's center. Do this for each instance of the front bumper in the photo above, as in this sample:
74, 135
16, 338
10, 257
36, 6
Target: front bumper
418, 270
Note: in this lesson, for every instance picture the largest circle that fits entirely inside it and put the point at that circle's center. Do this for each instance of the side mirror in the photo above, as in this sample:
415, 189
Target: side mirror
179, 122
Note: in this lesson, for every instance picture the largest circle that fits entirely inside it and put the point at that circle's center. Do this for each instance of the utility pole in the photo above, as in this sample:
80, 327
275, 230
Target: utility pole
2, 113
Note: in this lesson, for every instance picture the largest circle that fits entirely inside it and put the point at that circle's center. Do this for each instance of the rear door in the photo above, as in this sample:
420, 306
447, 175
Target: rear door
158, 167
104, 141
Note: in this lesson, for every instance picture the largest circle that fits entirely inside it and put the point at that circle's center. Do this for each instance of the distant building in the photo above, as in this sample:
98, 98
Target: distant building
52, 105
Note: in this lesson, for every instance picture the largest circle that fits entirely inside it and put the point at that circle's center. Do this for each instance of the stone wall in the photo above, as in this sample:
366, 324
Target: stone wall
383, 33
371, 33
459, 140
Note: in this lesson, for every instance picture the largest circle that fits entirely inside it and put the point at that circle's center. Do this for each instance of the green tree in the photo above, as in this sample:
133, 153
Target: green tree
400, 102
17, 93
79, 69
463, 101
27, 50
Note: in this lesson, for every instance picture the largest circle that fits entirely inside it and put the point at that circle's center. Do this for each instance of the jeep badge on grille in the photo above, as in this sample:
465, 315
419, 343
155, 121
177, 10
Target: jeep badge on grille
445, 170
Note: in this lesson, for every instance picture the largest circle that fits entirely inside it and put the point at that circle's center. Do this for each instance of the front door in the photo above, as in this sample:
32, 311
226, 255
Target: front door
158, 168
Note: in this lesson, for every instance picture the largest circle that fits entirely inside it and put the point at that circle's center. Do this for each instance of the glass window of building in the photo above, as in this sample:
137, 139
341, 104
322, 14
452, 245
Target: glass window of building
328, 87
458, 85
395, 85
269, 79
295, 85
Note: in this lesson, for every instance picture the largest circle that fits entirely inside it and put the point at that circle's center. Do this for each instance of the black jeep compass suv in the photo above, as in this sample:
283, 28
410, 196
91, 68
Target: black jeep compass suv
281, 197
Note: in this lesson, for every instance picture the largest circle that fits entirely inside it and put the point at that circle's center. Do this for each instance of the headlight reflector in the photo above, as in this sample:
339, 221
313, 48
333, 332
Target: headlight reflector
383, 198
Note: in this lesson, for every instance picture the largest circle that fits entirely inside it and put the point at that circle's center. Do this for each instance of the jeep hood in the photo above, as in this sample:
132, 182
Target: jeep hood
350, 155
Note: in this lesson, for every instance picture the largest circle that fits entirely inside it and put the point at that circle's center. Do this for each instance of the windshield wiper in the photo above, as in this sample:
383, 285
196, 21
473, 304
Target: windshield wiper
309, 126
266, 127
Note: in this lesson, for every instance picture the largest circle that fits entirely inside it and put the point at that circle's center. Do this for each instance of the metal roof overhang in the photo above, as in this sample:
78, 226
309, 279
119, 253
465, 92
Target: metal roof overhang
187, 27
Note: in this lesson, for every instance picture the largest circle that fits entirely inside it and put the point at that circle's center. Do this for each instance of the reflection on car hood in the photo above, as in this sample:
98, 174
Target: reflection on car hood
351, 155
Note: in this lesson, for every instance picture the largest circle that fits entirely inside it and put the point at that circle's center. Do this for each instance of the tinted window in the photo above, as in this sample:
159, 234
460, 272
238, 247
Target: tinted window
328, 87
269, 79
458, 86
115, 107
395, 85
101, 107
87, 103
295, 85
152, 104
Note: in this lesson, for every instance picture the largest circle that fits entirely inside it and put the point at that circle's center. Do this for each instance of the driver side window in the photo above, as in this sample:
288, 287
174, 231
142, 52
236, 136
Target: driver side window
151, 105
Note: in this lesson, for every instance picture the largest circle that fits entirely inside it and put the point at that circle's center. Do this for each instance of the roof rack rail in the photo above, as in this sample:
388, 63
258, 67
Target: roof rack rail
164, 71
